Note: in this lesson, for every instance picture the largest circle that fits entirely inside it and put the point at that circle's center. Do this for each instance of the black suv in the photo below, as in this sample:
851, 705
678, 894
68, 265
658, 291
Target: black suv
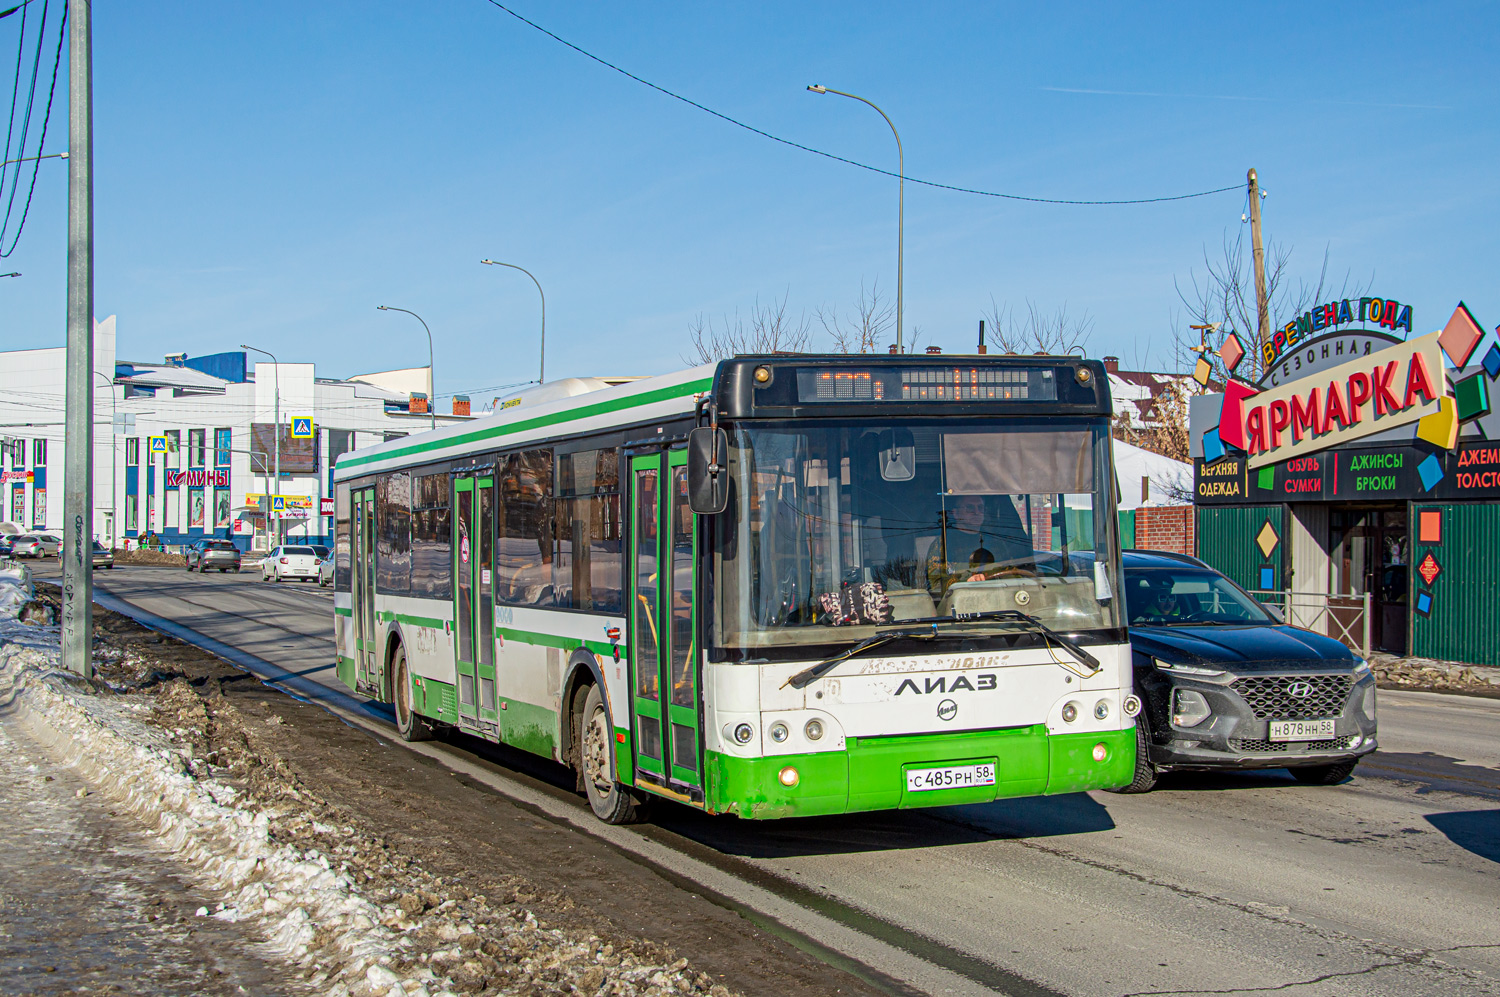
1227, 685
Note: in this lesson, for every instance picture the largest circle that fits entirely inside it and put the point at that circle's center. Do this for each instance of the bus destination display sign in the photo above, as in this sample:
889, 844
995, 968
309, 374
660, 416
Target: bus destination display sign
926, 384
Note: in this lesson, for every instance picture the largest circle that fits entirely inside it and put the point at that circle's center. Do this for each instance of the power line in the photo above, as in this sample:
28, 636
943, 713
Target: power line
828, 155
36, 160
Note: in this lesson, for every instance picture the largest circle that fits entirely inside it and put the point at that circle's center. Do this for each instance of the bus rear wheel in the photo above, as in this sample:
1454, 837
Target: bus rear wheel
611, 802
409, 724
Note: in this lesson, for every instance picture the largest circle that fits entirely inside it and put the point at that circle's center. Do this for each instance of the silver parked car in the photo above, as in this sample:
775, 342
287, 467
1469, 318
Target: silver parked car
289, 561
207, 555
37, 545
325, 571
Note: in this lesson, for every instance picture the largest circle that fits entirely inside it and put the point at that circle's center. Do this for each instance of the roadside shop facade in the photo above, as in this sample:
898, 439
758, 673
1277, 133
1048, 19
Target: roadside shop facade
1363, 465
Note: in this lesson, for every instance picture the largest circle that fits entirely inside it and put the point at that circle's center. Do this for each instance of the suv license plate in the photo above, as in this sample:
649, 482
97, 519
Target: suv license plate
949, 777
1301, 730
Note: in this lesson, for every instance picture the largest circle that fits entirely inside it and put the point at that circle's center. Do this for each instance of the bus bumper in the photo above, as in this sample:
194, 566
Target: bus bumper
1028, 762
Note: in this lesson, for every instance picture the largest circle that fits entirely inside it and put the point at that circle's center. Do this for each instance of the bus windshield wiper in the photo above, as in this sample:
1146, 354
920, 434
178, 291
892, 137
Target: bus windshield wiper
809, 675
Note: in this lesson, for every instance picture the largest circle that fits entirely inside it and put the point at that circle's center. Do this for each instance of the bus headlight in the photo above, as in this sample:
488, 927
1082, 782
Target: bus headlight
743, 733
814, 729
788, 777
1101, 709
779, 732
1132, 705
1189, 708
1069, 712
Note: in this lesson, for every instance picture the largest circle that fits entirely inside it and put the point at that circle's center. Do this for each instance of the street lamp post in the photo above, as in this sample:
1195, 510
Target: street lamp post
431, 398
900, 207
541, 371
114, 446
270, 499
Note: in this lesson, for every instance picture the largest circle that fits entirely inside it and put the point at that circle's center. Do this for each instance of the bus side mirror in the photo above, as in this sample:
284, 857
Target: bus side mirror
708, 474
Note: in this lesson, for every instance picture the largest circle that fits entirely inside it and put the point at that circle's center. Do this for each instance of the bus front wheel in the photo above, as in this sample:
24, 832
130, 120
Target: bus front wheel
611, 802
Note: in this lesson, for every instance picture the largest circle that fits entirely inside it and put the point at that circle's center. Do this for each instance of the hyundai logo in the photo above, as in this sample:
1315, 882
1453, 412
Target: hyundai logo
1299, 690
947, 710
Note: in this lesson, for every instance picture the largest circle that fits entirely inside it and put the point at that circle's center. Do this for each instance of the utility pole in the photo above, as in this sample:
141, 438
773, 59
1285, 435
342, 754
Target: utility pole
78, 437
1262, 305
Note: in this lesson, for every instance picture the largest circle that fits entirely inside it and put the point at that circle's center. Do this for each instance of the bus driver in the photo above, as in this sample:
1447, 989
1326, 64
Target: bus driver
974, 545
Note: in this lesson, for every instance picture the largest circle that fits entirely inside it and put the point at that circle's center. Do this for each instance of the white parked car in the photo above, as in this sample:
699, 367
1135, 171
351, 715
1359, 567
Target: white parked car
290, 561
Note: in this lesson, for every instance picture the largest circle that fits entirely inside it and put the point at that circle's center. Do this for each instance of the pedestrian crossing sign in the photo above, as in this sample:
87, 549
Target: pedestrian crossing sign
302, 428
278, 503
157, 444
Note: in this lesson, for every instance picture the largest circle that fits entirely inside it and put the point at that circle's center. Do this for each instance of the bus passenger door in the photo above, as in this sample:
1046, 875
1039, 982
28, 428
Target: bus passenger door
473, 596
662, 648
362, 588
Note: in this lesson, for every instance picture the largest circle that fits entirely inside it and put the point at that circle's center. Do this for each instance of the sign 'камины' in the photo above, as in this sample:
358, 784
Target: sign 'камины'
1380, 391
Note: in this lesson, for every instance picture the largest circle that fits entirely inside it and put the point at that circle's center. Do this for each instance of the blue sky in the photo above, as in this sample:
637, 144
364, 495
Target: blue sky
269, 173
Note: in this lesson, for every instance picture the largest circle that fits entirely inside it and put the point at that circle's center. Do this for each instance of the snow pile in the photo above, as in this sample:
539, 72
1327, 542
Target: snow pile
357, 918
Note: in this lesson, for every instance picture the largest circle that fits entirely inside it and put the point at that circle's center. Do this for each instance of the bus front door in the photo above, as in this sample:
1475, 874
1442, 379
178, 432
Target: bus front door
362, 589
473, 596
663, 648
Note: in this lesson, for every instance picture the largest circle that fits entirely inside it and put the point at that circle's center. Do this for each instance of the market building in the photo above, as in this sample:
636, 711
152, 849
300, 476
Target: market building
1359, 479
188, 447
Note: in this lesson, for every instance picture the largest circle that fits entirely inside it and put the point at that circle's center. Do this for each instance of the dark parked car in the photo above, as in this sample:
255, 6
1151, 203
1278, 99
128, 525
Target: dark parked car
1227, 685
102, 556
208, 555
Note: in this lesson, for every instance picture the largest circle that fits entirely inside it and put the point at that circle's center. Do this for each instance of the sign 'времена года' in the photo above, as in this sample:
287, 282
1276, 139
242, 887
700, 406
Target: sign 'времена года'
1389, 388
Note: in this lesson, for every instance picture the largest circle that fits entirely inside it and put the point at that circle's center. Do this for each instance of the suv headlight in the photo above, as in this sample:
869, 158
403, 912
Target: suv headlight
1189, 708
1361, 668
1190, 670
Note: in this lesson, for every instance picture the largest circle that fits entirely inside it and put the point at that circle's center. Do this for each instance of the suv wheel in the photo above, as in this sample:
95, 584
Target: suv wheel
1325, 775
1144, 779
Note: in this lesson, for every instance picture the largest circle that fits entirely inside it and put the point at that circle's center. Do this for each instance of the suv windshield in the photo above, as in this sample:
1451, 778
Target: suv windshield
854, 524
1167, 596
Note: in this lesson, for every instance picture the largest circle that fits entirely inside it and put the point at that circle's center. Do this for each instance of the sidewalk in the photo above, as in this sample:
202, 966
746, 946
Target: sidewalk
1431, 675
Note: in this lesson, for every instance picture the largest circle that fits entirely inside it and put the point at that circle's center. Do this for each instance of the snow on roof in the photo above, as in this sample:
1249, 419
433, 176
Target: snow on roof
1170, 482
169, 376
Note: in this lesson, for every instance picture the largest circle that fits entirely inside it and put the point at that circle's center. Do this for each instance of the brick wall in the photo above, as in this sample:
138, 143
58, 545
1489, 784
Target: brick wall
1165, 527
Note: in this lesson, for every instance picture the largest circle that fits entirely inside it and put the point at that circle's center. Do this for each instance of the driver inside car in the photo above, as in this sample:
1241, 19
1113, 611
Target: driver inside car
976, 545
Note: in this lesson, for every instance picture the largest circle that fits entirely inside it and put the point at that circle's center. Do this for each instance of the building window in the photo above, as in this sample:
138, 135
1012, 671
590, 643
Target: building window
39, 508
171, 506
132, 451
340, 442
38, 453
131, 508
195, 447
222, 438
174, 448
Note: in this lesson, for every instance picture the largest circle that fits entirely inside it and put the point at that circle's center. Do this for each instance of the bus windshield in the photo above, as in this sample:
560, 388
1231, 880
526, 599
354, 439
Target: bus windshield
858, 523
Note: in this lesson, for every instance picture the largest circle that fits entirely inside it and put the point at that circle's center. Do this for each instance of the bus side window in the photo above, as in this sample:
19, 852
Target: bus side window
432, 542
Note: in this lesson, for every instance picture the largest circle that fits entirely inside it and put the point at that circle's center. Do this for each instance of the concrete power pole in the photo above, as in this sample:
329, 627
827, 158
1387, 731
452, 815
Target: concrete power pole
1262, 305
78, 442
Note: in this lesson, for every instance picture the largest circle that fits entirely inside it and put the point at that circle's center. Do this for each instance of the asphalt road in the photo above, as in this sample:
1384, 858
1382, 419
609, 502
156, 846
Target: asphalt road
1234, 884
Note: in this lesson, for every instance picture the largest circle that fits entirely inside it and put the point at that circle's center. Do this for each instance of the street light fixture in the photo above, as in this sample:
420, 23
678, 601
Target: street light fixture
16, 274
276, 434
431, 398
541, 371
900, 206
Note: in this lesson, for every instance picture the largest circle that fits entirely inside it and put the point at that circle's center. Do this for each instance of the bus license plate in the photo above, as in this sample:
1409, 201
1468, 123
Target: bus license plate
1301, 730
949, 777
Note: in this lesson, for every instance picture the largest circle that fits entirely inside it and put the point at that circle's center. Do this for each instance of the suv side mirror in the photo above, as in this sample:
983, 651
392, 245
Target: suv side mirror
708, 475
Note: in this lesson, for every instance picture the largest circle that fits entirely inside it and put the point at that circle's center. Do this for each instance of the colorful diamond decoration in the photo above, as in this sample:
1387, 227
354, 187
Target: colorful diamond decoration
1232, 352
1430, 471
1430, 526
1267, 578
1472, 396
1213, 447
1202, 371
1424, 604
1267, 539
1266, 477
1441, 427
1460, 335
1492, 361
1429, 569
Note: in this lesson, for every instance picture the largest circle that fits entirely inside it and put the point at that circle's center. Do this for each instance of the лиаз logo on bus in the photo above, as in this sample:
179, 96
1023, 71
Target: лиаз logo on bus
1369, 395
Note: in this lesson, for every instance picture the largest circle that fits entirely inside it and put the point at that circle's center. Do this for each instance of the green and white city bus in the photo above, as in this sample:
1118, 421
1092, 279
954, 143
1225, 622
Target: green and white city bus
782, 585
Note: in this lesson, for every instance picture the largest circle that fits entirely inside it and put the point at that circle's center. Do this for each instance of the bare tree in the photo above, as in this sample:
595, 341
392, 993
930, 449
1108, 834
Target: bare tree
1163, 428
769, 329
1055, 334
867, 329
1224, 297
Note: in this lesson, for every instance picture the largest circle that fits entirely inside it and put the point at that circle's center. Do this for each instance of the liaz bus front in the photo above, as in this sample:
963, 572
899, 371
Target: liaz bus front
910, 583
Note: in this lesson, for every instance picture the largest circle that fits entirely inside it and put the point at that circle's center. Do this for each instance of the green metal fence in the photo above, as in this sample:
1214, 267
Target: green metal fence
1457, 617
1247, 543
